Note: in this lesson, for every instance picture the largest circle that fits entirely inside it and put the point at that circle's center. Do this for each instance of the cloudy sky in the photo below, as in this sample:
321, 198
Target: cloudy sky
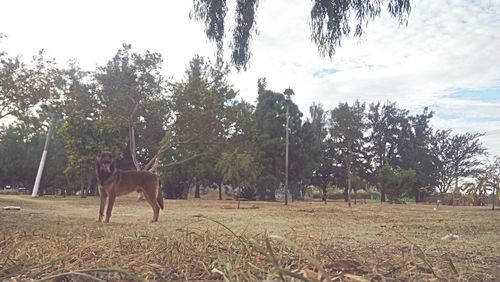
447, 58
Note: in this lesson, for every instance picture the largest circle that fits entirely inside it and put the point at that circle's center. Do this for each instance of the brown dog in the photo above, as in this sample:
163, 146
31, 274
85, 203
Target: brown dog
114, 182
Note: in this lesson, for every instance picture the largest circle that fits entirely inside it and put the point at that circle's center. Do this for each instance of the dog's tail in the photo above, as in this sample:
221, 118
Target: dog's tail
159, 196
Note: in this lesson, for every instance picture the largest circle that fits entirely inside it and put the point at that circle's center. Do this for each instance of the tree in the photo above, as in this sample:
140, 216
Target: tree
204, 119
386, 123
328, 165
239, 168
346, 128
396, 182
241, 121
420, 156
403, 140
304, 154
85, 128
270, 123
492, 176
21, 144
330, 22
132, 90
455, 156
478, 190
22, 87
329, 169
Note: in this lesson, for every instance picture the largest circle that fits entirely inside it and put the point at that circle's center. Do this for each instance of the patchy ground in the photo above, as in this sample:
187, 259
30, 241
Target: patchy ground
59, 238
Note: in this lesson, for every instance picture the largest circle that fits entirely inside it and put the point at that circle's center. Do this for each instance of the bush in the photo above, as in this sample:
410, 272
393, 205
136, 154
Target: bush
334, 194
9, 192
337, 194
317, 194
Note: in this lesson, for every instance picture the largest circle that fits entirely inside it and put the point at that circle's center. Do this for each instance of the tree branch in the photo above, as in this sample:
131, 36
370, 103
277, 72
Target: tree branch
131, 137
149, 166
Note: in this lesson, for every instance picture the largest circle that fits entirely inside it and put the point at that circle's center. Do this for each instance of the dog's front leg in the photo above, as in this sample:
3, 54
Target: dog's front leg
102, 195
111, 202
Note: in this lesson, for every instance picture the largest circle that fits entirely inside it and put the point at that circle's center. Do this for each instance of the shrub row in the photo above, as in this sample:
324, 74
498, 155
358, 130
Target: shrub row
336, 194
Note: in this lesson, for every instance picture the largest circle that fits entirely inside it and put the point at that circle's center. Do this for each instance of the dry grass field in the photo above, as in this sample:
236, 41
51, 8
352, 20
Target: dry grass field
58, 239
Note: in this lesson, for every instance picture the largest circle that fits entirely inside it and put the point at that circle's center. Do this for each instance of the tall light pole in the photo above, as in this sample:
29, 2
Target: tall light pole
288, 92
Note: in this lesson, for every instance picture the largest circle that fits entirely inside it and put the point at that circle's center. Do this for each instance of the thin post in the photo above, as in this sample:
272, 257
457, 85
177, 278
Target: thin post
44, 157
286, 157
494, 195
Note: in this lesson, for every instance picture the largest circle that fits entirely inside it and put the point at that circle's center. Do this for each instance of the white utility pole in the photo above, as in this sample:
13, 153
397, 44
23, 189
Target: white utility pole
44, 157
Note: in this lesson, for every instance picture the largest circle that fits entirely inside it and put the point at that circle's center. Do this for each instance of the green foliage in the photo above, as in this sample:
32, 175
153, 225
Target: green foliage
22, 87
396, 182
455, 156
206, 120
270, 122
399, 139
131, 90
126, 100
239, 167
347, 124
200, 102
338, 194
266, 186
85, 129
20, 151
127, 80
358, 183
86, 138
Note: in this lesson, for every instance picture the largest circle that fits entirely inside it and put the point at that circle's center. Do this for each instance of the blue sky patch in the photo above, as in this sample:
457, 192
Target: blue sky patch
490, 94
324, 72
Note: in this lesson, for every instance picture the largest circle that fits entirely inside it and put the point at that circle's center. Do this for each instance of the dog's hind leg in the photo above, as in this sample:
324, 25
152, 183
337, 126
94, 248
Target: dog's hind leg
151, 198
111, 202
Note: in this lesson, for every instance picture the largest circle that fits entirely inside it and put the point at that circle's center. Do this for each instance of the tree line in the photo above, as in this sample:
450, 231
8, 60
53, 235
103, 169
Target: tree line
196, 132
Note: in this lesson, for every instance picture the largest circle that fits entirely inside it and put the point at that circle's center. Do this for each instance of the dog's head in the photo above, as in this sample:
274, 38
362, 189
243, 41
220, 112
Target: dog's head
106, 163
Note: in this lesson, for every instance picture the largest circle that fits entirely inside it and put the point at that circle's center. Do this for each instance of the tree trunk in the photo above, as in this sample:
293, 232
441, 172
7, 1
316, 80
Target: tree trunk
454, 192
82, 191
185, 191
197, 190
349, 184
324, 193
220, 190
349, 164
239, 194
494, 196
382, 196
